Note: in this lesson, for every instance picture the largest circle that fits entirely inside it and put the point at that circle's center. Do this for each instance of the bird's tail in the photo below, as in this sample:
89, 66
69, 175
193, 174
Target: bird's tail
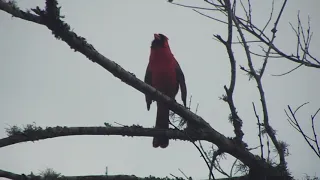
162, 122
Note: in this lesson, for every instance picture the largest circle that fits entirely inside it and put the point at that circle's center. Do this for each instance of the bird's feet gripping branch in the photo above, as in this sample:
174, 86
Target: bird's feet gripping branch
163, 73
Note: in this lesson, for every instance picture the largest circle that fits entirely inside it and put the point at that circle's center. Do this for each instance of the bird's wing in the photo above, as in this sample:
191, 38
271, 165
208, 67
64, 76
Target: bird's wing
182, 83
148, 80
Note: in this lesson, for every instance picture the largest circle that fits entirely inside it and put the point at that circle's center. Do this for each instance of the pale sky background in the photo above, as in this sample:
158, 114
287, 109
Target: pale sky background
44, 81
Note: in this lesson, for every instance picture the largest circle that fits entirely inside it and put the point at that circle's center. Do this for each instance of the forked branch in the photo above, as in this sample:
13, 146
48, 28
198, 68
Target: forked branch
312, 141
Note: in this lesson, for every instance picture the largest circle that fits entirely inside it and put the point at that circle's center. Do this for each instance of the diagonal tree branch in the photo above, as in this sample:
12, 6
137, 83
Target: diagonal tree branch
312, 142
274, 31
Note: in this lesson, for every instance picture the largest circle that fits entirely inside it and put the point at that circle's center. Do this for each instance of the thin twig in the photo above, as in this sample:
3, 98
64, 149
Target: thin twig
288, 71
204, 152
274, 30
174, 176
194, 7
270, 17
212, 164
259, 126
307, 139
313, 130
210, 17
232, 167
183, 174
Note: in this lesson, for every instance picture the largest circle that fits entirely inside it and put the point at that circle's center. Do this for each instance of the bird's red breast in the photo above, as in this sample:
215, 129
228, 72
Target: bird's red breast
162, 65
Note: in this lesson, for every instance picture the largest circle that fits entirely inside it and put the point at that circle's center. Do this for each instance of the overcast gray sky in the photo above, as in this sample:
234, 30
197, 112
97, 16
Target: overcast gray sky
44, 81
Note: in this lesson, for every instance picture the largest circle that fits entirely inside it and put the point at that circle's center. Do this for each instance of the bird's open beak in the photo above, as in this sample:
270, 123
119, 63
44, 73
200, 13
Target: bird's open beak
156, 36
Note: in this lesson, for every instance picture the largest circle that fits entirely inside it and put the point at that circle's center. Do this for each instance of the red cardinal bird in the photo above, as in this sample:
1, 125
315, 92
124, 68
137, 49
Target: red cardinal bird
163, 73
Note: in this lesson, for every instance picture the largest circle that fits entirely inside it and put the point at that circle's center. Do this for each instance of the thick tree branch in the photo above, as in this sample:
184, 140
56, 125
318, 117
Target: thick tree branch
37, 133
15, 176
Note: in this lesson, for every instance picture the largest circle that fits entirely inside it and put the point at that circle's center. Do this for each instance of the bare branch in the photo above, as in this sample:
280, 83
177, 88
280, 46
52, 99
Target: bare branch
195, 7
215, 154
294, 122
257, 77
204, 152
247, 42
183, 174
248, 16
314, 131
38, 133
274, 30
259, 126
210, 17
214, 4
235, 119
261, 36
270, 17
288, 71
232, 167
278, 51
260, 55
237, 122
14, 176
